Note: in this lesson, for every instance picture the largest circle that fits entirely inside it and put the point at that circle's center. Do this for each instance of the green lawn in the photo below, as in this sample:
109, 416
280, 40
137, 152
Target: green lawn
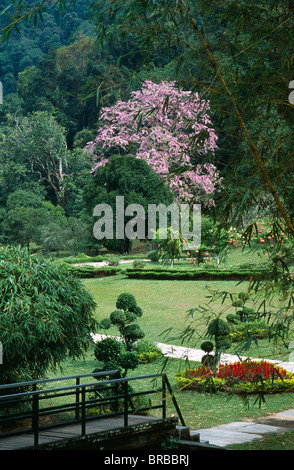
165, 307
164, 303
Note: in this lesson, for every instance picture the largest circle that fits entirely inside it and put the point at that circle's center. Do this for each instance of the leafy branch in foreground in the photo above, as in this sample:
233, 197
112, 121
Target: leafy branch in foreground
46, 315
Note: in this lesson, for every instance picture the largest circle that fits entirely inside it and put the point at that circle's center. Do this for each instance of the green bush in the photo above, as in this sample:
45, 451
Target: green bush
129, 360
243, 331
113, 261
82, 258
218, 328
46, 315
233, 319
147, 351
118, 318
132, 333
153, 255
105, 324
139, 263
207, 346
126, 301
107, 350
87, 272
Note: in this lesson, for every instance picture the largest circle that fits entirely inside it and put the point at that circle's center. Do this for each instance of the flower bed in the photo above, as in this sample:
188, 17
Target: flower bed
240, 377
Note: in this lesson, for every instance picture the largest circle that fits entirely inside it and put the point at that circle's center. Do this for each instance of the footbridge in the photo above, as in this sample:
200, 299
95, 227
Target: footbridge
100, 410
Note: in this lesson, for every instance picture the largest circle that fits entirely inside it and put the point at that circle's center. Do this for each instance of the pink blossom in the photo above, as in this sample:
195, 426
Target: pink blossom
169, 129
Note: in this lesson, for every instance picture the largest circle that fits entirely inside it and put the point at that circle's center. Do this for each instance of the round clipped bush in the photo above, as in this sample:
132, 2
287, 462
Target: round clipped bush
118, 317
223, 343
138, 311
129, 360
208, 360
233, 319
130, 317
218, 327
108, 350
133, 332
105, 324
207, 346
126, 301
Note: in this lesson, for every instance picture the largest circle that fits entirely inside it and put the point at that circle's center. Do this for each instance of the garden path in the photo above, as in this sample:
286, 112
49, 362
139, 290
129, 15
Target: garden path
182, 352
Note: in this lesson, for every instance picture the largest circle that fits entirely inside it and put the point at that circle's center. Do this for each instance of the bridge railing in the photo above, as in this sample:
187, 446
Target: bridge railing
25, 407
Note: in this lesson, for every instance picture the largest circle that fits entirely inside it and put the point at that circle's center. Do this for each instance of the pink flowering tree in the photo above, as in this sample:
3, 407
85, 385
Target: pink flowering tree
168, 128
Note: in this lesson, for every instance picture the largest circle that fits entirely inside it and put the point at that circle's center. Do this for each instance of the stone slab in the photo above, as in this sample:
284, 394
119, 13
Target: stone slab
287, 413
222, 438
251, 428
239, 432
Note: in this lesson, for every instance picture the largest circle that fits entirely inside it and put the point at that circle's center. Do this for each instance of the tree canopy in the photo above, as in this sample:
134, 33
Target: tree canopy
168, 128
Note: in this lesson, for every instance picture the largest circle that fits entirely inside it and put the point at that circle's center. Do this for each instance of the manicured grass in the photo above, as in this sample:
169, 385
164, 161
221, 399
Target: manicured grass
165, 307
165, 304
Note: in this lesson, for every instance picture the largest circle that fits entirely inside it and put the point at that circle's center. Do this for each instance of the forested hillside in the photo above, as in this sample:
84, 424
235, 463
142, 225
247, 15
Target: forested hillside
56, 79
28, 47
60, 71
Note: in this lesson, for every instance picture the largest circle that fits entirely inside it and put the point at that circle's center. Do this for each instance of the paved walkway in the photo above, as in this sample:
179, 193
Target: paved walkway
196, 355
240, 431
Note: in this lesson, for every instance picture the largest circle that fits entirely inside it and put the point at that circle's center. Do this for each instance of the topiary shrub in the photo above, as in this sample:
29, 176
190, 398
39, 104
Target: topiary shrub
118, 318
124, 355
219, 330
139, 263
233, 319
207, 346
131, 334
129, 360
208, 360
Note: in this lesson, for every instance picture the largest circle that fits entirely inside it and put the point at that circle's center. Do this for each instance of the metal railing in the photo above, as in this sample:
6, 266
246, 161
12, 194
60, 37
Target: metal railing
107, 394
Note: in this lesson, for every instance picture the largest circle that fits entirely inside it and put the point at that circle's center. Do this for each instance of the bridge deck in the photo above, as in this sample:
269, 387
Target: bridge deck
71, 431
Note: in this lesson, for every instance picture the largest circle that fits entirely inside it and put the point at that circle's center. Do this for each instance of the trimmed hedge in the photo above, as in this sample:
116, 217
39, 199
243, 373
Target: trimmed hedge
83, 259
197, 274
92, 272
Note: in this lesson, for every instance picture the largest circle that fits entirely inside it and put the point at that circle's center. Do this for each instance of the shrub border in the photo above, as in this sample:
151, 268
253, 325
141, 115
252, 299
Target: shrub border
197, 274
